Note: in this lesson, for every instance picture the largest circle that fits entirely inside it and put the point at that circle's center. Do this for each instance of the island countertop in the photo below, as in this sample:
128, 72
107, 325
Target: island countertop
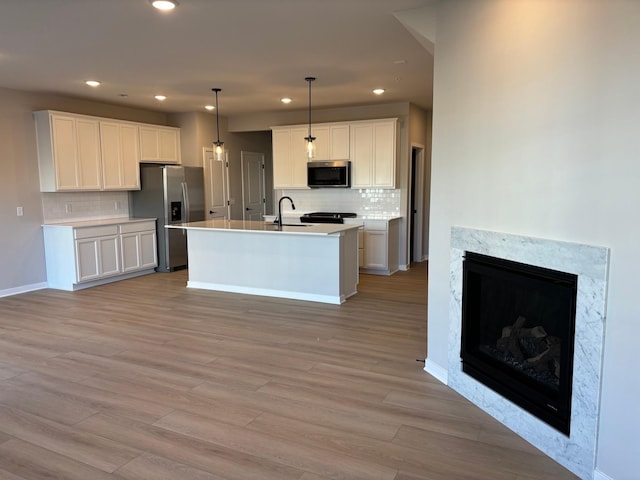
266, 227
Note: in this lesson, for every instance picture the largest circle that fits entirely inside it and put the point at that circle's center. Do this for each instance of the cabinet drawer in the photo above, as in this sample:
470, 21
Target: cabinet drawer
137, 227
99, 231
376, 225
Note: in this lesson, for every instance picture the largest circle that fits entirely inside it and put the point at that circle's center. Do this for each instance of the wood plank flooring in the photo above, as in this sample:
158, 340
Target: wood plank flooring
146, 379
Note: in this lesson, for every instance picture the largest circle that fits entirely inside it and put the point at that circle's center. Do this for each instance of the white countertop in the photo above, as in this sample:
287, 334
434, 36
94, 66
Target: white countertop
97, 222
265, 227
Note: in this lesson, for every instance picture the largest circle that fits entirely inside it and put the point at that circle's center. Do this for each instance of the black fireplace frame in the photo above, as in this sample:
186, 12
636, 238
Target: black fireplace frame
549, 405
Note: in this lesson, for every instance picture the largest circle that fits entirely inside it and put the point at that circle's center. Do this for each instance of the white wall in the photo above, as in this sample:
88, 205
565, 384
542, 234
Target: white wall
535, 132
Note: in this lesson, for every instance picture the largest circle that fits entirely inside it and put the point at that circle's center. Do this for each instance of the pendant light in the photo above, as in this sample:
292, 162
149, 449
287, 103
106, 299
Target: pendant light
218, 150
310, 147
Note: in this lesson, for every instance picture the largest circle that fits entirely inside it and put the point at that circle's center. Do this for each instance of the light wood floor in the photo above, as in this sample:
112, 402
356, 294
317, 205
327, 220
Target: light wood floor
145, 379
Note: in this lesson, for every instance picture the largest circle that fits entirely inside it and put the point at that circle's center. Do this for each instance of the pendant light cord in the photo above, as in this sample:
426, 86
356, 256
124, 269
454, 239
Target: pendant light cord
216, 90
310, 79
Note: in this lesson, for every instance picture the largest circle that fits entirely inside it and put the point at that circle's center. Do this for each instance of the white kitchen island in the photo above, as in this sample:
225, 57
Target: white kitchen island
315, 262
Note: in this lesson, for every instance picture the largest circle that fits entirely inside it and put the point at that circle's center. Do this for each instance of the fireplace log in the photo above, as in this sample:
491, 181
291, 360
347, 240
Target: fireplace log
546, 360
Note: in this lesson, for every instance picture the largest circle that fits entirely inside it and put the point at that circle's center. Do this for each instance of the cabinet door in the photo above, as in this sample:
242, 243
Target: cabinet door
149, 148
299, 157
169, 145
87, 260
361, 155
339, 142
96, 258
159, 144
120, 156
281, 158
109, 251
322, 141
130, 247
76, 153
289, 159
375, 249
148, 249
384, 157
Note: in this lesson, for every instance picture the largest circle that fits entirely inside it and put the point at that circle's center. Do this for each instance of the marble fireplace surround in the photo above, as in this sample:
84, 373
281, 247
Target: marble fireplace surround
578, 451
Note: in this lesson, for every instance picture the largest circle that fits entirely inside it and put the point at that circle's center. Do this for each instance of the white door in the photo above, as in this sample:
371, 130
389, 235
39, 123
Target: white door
253, 200
216, 176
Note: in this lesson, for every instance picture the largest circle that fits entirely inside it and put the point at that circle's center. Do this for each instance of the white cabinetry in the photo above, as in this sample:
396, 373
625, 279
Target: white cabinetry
380, 247
68, 152
289, 157
373, 153
160, 144
83, 255
332, 141
97, 252
120, 156
138, 246
84, 153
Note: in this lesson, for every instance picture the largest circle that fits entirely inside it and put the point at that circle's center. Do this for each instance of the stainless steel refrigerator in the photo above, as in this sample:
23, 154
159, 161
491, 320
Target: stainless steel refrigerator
172, 194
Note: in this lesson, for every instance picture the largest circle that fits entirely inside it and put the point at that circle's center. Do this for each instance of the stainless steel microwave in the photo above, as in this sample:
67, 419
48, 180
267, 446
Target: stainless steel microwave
329, 174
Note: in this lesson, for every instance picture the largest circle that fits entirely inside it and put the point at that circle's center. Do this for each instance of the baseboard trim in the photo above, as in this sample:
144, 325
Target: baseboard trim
436, 370
22, 289
598, 475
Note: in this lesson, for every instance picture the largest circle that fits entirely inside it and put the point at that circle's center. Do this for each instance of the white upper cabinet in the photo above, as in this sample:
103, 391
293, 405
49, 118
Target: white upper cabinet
289, 157
373, 153
120, 156
332, 141
160, 144
84, 153
68, 152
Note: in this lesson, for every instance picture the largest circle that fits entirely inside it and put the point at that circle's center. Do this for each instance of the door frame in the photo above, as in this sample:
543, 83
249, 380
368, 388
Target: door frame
417, 189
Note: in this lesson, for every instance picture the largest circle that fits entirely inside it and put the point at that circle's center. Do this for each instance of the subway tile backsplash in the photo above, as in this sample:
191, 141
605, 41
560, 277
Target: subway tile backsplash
84, 206
365, 201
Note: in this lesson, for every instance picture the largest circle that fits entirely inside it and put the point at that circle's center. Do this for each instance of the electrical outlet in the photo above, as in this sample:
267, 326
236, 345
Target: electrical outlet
19, 211
67, 208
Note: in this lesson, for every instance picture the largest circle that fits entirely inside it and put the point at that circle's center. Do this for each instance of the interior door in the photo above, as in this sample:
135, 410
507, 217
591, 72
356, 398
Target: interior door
253, 200
216, 185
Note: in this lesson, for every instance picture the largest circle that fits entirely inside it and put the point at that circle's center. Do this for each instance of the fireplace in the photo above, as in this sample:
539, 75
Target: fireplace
590, 264
518, 325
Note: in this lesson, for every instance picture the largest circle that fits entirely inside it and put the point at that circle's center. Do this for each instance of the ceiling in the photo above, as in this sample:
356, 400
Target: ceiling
256, 51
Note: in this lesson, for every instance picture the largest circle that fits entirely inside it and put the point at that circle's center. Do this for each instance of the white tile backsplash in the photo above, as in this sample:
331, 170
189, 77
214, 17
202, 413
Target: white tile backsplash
84, 205
365, 201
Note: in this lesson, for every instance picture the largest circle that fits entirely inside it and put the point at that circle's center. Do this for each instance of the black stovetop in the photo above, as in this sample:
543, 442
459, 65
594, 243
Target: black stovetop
326, 217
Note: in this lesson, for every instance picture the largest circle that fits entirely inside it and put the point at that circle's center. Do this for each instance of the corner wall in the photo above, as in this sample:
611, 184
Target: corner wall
535, 132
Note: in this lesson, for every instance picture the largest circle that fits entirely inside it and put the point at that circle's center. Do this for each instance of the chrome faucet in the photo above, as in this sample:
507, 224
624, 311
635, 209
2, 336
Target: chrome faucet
280, 209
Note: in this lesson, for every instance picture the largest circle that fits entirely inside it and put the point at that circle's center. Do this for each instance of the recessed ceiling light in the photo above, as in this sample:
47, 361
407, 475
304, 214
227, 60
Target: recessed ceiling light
209, 107
93, 83
286, 100
162, 98
164, 4
399, 62
378, 91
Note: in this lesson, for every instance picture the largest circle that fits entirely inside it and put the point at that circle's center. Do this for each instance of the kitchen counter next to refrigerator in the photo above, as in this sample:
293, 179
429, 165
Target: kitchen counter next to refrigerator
316, 263
92, 252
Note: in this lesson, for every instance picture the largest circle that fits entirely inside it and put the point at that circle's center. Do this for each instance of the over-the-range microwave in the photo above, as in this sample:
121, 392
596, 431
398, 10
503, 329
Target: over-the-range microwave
329, 174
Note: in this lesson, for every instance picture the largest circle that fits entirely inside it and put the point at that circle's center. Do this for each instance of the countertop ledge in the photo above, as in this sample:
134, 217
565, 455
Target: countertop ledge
97, 222
265, 227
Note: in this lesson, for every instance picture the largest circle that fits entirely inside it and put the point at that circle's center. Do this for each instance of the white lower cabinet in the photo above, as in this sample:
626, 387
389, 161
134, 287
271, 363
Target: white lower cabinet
379, 247
97, 257
138, 247
83, 256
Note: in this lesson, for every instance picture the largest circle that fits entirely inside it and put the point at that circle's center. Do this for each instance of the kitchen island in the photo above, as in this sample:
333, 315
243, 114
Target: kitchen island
314, 262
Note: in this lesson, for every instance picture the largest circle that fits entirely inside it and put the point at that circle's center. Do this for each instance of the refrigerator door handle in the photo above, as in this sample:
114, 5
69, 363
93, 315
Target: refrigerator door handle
185, 202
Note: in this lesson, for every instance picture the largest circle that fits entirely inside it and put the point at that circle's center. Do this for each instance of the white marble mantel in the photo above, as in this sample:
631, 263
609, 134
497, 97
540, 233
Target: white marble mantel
576, 452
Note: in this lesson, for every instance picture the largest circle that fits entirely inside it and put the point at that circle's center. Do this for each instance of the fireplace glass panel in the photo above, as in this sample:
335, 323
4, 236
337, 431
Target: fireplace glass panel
518, 324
